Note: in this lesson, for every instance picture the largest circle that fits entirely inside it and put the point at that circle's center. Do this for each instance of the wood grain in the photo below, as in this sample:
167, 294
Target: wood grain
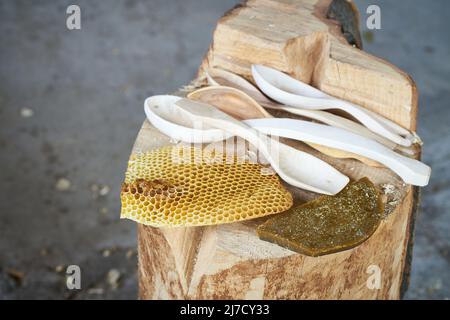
229, 261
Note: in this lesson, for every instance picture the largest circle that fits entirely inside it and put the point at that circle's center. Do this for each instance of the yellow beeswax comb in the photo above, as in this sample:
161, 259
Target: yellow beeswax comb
184, 186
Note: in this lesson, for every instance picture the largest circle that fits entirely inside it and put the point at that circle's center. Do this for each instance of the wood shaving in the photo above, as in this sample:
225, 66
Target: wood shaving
130, 253
26, 112
63, 184
106, 253
391, 198
194, 84
97, 291
17, 275
59, 268
113, 278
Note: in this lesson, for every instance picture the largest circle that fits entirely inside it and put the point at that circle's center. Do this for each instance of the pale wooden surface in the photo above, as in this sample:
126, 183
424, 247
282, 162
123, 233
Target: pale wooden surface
294, 37
229, 261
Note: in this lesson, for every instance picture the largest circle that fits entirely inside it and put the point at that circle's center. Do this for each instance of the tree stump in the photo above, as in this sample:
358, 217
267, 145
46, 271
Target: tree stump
304, 39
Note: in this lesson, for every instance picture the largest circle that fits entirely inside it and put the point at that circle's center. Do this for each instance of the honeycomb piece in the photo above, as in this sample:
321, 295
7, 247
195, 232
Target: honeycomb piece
328, 224
184, 186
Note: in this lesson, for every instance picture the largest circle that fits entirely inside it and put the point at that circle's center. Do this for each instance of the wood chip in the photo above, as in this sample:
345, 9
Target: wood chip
103, 191
130, 253
59, 268
26, 112
17, 275
63, 184
113, 278
97, 291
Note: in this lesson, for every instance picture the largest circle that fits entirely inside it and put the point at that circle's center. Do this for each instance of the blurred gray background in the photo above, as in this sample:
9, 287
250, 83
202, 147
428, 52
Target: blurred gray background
71, 106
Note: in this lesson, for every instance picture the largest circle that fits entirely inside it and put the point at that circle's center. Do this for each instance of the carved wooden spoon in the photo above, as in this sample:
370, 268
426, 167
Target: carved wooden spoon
285, 89
297, 168
243, 107
220, 77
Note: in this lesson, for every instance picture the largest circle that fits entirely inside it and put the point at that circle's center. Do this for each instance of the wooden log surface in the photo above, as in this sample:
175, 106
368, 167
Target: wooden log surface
229, 261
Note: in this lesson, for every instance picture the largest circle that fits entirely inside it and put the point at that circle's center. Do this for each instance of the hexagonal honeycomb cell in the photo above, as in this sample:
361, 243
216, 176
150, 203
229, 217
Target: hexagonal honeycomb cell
184, 186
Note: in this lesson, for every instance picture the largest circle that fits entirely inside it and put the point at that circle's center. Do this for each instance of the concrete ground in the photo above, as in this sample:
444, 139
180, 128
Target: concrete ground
71, 106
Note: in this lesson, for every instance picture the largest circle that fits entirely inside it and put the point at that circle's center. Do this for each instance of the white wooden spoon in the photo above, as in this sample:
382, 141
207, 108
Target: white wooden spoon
297, 168
162, 108
220, 77
285, 89
410, 170
241, 106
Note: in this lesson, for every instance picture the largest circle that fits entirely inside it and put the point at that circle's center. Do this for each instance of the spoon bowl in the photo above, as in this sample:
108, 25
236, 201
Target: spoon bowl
287, 90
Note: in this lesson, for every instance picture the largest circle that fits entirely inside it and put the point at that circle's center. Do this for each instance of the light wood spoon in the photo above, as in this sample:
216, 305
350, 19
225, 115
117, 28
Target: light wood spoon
287, 90
220, 77
296, 167
243, 107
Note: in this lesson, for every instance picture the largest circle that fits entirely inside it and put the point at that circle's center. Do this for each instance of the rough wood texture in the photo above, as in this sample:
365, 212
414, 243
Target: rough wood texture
295, 37
229, 261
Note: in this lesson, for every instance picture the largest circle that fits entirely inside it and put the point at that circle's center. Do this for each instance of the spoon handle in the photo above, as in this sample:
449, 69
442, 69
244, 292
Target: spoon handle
413, 137
336, 121
410, 170
367, 120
